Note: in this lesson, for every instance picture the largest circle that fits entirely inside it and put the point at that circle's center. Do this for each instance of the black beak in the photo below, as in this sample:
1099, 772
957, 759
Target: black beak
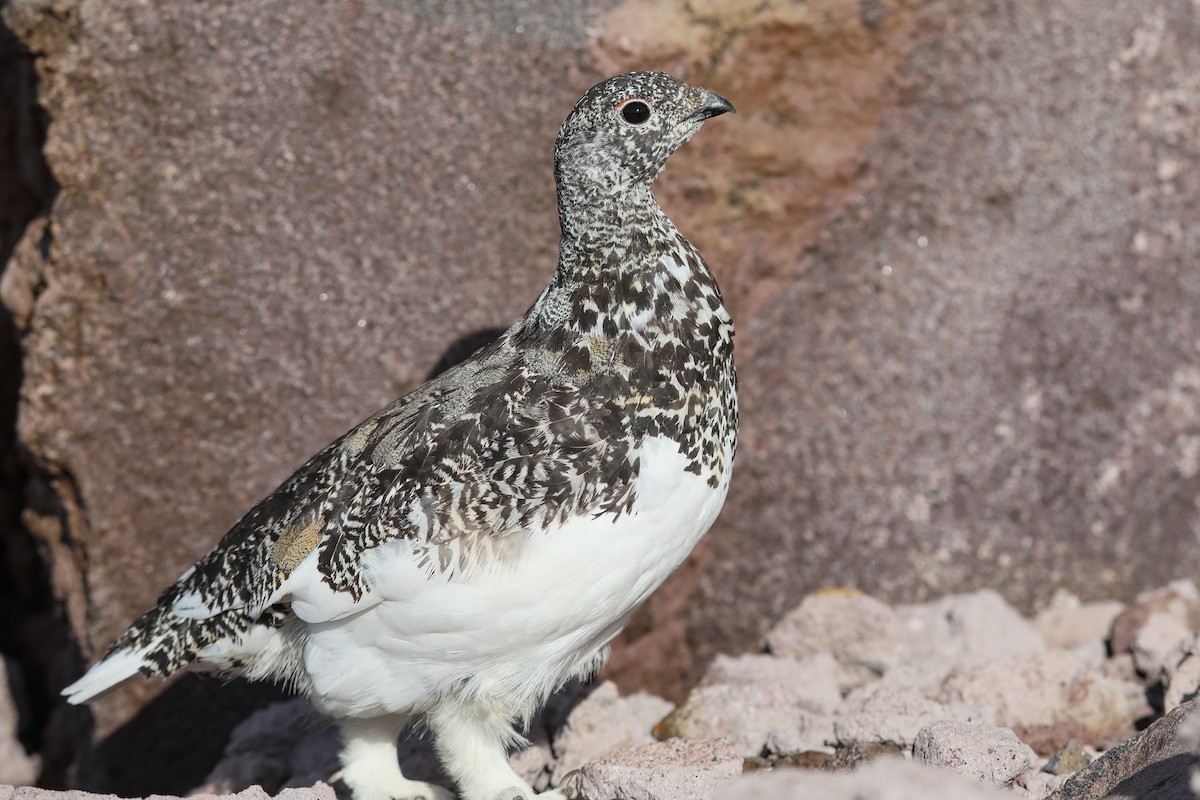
714, 105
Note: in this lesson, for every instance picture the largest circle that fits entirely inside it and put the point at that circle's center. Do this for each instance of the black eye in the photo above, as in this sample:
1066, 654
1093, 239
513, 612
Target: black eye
635, 112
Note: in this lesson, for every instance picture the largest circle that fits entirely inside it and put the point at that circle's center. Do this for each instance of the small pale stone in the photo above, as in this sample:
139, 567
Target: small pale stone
963, 628
891, 717
1182, 679
604, 722
858, 630
745, 716
888, 778
1051, 696
983, 752
1160, 643
672, 770
1067, 626
810, 683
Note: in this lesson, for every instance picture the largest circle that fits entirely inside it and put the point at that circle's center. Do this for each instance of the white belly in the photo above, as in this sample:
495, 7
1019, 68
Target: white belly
512, 630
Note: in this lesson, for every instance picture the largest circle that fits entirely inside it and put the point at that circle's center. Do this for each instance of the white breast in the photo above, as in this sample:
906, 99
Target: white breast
516, 628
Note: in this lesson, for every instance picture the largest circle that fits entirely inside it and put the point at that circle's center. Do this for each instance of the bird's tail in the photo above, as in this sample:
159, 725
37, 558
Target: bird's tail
159, 643
113, 670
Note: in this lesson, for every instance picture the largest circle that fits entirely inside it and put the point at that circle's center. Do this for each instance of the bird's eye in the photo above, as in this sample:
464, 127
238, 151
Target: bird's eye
635, 112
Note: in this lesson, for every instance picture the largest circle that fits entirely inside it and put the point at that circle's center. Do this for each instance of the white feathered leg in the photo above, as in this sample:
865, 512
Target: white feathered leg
371, 767
473, 745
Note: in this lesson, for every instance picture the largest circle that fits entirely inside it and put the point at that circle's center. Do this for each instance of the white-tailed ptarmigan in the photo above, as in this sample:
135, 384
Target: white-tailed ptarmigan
481, 540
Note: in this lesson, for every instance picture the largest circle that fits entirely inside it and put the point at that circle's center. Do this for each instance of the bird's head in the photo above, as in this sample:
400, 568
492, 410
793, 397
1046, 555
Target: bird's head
622, 131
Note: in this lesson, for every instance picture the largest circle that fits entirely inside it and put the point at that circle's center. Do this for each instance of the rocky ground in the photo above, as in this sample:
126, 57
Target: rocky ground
959, 698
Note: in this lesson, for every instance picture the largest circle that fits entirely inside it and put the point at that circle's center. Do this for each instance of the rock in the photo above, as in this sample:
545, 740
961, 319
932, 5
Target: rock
1036, 784
672, 770
882, 779
858, 630
1178, 601
1069, 622
605, 722
751, 718
762, 704
962, 628
810, 683
891, 717
16, 765
1050, 697
1182, 677
1161, 643
974, 749
1155, 763
1069, 759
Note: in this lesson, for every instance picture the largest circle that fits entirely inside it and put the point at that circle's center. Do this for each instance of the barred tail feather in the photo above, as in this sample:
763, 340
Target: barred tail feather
116, 668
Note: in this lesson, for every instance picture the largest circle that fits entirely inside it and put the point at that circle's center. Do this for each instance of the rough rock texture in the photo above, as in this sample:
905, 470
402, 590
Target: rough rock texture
984, 752
860, 631
882, 779
885, 716
762, 702
964, 628
1068, 622
602, 723
1183, 677
957, 240
1051, 696
672, 770
1157, 763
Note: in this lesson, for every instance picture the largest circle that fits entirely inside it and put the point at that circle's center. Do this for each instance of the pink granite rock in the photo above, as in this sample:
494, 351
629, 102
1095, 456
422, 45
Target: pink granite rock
858, 630
884, 716
974, 749
961, 628
1068, 622
762, 703
1050, 697
605, 722
672, 770
881, 779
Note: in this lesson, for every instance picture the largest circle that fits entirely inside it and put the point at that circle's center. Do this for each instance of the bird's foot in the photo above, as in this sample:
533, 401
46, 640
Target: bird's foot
567, 790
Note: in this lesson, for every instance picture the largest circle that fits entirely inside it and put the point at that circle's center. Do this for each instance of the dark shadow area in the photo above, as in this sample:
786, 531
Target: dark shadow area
175, 740
33, 631
172, 745
1168, 779
463, 348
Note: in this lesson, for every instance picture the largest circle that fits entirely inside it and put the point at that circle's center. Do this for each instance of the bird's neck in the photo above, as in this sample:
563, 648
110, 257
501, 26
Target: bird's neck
623, 266
608, 230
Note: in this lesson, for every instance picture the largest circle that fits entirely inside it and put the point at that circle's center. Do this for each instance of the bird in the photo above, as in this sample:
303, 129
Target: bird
479, 542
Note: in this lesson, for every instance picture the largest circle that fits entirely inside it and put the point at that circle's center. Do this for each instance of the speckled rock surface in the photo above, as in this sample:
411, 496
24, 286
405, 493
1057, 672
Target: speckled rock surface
676, 769
977, 750
1156, 763
957, 241
882, 779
